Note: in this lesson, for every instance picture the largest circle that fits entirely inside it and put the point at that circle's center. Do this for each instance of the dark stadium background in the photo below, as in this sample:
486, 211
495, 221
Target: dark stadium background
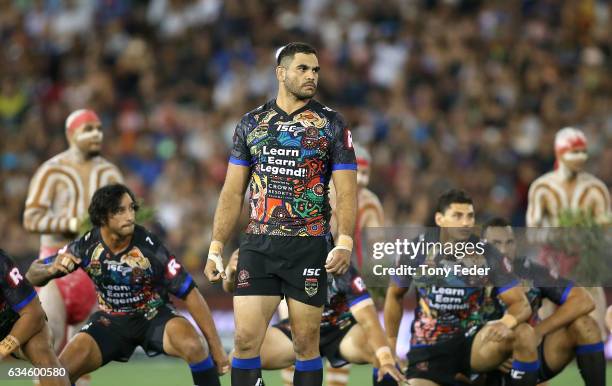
443, 93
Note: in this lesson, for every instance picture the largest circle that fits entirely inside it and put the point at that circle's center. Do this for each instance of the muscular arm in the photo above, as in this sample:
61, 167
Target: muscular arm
38, 216
578, 303
345, 182
31, 321
198, 308
39, 273
230, 202
393, 312
535, 206
365, 314
517, 304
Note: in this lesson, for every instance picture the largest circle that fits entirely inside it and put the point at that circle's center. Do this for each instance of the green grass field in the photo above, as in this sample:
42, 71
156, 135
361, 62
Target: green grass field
171, 372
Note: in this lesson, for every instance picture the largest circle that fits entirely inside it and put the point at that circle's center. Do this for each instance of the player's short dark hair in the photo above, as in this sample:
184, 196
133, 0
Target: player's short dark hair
291, 49
496, 222
452, 196
106, 202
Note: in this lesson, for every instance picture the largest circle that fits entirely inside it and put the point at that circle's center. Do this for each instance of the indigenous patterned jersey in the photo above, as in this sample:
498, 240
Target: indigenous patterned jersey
136, 280
343, 292
15, 293
291, 159
452, 305
556, 289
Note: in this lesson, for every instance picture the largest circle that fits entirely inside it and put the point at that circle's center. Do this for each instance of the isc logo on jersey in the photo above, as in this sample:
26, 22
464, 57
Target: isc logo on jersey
15, 277
289, 128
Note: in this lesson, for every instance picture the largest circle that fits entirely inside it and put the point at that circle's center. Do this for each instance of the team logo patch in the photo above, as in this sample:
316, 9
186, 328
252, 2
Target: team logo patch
311, 286
243, 277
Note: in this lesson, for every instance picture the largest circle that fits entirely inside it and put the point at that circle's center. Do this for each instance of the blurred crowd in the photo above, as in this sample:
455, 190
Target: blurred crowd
444, 94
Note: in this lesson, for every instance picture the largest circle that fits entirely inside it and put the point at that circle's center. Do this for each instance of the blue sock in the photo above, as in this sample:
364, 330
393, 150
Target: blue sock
308, 372
524, 373
246, 372
592, 363
204, 373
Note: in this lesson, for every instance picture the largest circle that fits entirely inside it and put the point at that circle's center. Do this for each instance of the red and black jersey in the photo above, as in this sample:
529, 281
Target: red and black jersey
15, 293
343, 292
291, 158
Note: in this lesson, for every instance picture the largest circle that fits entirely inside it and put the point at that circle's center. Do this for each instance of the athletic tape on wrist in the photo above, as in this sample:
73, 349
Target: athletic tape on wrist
218, 262
345, 242
8, 345
385, 356
216, 248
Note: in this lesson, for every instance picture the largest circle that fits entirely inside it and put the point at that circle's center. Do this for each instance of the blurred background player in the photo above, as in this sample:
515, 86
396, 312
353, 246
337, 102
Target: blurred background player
350, 330
287, 150
134, 274
57, 202
569, 187
369, 214
23, 331
450, 336
569, 331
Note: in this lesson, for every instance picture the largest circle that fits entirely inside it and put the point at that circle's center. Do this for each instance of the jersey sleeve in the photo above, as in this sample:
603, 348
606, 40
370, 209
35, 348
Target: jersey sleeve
17, 291
241, 154
343, 154
502, 275
353, 286
174, 278
556, 288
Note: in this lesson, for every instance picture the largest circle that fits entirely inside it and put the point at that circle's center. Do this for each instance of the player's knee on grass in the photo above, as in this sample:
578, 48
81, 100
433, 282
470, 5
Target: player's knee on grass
585, 329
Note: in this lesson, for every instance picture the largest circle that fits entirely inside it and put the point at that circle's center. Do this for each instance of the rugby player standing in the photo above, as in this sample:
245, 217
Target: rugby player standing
449, 335
23, 330
133, 273
58, 198
287, 151
569, 331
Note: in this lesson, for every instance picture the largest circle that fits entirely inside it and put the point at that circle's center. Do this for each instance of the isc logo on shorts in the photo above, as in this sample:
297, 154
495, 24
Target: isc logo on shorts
312, 272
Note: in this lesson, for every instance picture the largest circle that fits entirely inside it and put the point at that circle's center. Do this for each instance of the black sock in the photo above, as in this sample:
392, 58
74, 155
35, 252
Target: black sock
592, 363
246, 372
205, 373
308, 373
524, 373
386, 381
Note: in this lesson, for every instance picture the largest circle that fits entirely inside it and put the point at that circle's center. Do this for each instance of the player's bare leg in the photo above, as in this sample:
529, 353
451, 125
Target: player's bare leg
487, 355
53, 305
581, 339
252, 315
81, 356
39, 351
181, 340
599, 313
305, 328
276, 350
